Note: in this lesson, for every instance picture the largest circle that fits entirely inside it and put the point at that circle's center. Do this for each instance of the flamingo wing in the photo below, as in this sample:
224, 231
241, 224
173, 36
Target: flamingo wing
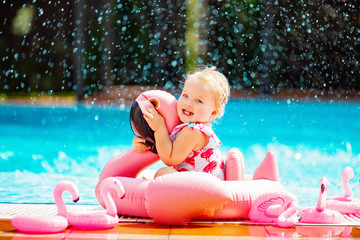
272, 207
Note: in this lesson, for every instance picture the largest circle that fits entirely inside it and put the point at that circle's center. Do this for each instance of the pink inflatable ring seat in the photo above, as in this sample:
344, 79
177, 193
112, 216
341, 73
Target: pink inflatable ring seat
230, 199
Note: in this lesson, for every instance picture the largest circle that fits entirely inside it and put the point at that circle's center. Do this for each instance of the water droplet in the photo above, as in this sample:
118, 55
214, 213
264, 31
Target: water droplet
174, 63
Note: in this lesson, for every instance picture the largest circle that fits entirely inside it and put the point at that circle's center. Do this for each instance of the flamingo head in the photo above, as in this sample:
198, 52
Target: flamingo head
112, 183
321, 204
324, 184
347, 174
322, 188
164, 103
67, 186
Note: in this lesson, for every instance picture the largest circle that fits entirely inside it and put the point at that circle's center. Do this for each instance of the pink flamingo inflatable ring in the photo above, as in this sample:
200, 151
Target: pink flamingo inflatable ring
346, 204
190, 195
320, 215
100, 219
32, 223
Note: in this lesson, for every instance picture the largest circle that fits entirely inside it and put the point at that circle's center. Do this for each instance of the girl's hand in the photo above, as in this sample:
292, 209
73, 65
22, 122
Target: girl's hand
153, 118
139, 144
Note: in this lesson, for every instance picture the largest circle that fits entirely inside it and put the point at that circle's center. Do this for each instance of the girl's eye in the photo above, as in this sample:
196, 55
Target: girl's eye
198, 100
185, 95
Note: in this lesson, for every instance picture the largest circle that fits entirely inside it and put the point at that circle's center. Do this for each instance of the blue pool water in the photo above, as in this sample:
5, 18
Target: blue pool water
40, 146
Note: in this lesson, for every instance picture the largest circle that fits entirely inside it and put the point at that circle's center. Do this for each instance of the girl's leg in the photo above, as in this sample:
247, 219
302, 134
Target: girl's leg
164, 170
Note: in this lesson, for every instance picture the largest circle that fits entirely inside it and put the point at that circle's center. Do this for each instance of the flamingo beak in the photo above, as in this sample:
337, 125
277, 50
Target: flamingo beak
76, 200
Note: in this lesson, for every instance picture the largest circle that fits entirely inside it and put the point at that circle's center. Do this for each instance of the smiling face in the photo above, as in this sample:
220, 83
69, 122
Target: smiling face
196, 103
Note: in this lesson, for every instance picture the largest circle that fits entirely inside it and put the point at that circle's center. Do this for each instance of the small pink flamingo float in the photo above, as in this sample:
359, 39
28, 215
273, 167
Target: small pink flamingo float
100, 219
33, 223
346, 204
320, 215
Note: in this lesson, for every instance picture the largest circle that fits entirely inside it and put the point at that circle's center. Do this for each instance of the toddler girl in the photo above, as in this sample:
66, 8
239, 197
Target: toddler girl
193, 145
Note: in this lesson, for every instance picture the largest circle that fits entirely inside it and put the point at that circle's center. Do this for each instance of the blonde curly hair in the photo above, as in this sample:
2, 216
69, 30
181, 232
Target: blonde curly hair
218, 83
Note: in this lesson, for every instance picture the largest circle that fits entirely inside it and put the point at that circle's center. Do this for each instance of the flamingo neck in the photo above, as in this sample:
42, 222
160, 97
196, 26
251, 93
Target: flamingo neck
320, 207
346, 186
121, 166
321, 203
60, 204
109, 204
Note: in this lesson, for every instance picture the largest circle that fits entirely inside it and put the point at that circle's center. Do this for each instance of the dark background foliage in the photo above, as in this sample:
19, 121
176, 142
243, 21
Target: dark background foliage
81, 46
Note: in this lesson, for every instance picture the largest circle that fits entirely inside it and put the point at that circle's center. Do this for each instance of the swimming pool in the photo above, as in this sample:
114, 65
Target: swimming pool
40, 146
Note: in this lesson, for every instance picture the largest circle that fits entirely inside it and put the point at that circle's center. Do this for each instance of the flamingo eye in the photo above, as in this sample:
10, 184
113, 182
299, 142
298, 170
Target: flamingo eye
322, 188
154, 102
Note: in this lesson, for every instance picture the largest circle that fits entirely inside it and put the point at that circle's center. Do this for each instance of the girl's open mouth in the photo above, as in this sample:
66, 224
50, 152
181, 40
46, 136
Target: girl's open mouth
187, 112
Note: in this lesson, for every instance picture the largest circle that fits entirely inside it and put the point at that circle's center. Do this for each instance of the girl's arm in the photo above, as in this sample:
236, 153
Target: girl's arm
173, 153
